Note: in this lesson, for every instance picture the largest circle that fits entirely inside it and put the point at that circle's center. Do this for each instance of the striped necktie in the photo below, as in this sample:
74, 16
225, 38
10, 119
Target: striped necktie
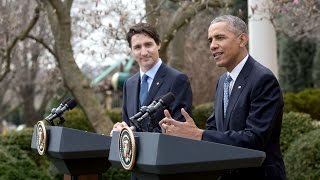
226, 94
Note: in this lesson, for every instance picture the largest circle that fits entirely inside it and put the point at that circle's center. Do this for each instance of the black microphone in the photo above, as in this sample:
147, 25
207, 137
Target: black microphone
53, 110
142, 110
65, 106
163, 103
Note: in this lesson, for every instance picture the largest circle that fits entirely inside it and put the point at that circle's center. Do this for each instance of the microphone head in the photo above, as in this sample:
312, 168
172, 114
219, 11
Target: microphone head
168, 98
66, 101
71, 104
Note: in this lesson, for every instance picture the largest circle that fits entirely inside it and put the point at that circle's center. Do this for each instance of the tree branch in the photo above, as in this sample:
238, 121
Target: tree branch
183, 16
6, 53
153, 11
43, 44
31, 24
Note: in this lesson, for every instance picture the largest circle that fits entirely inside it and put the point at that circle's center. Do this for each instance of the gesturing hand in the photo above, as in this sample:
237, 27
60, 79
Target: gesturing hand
187, 129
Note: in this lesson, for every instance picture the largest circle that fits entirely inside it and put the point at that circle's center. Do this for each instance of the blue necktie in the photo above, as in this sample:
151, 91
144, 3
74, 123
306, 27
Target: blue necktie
143, 89
226, 94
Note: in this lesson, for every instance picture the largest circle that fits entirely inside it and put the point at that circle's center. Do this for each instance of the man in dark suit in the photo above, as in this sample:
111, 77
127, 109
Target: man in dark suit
248, 103
145, 43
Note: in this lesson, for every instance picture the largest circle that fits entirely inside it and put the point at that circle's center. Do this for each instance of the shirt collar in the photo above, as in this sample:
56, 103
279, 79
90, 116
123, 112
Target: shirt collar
236, 71
152, 72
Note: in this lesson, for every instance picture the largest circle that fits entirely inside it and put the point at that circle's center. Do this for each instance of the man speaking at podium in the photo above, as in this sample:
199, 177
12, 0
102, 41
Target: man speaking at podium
248, 103
154, 80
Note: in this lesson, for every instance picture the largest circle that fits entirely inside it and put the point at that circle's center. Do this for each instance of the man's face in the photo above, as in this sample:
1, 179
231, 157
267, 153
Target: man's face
226, 46
145, 51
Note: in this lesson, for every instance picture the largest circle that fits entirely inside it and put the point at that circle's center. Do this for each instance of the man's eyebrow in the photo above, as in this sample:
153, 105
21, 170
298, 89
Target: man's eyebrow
136, 45
220, 34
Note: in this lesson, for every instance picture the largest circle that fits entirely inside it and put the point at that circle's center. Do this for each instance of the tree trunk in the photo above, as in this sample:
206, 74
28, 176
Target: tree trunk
74, 80
30, 116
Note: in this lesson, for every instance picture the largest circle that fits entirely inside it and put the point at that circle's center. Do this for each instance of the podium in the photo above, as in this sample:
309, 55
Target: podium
75, 153
161, 156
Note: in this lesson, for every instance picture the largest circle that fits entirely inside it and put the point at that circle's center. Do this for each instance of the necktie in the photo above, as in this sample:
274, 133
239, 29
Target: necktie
226, 94
143, 89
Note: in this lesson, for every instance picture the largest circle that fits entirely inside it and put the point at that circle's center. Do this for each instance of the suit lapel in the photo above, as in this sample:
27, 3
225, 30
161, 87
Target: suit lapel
135, 89
156, 83
219, 104
238, 86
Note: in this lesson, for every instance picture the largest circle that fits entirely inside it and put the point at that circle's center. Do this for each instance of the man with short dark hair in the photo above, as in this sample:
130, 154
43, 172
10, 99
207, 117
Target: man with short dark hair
248, 103
154, 80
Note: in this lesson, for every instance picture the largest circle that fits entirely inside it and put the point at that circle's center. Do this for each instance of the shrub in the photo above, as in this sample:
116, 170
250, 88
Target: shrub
201, 113
306, 101
22, 140
115, 114
302, 159
290, 102
15, 164
294, 125
116, 174
77, 120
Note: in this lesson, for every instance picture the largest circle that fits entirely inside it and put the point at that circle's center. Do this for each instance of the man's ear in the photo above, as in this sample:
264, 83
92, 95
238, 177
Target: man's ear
244, 38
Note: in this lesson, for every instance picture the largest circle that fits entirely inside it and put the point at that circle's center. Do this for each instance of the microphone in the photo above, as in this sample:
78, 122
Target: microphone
142, 110
163, 103
53, 111
58, 112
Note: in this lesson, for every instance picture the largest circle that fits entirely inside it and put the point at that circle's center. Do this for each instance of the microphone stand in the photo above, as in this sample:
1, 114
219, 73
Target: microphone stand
61, 121
151, 124
134, 122
51, 122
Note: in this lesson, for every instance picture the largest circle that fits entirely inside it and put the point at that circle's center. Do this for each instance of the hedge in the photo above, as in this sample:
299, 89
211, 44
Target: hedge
17, 165
201, 113
294, 125
77, 120
302, 159
306, 101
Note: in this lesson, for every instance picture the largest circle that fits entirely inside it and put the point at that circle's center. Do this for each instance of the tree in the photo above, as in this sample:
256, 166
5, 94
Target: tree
295, 62
24, 86
58, 13
316, 67
298, 27
296, 18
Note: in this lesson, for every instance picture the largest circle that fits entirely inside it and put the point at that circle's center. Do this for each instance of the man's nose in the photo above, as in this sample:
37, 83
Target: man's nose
213, 46
144, 51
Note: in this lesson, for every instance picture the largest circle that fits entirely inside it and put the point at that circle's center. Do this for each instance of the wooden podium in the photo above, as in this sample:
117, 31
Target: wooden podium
161, 156
78, 154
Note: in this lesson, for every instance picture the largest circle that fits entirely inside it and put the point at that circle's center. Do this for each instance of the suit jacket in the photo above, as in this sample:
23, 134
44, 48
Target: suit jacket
166, 80
253, 119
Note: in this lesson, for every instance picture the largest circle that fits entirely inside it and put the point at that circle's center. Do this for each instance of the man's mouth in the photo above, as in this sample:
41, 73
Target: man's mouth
217, 54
